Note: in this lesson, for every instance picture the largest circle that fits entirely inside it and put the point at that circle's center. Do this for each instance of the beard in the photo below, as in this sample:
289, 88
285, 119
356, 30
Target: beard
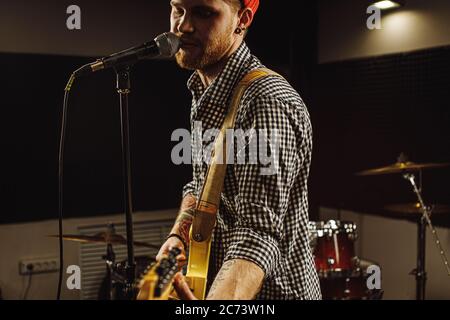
201, 57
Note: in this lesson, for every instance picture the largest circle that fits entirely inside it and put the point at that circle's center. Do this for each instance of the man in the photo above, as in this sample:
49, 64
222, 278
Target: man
260, 243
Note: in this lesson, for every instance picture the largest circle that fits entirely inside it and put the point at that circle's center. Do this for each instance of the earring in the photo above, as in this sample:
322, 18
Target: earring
239, 30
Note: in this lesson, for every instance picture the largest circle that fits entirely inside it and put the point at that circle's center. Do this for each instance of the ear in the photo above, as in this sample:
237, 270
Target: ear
246, 17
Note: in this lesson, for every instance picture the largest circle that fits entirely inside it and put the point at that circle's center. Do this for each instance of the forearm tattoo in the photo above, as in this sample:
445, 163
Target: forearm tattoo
221, 276
184, 221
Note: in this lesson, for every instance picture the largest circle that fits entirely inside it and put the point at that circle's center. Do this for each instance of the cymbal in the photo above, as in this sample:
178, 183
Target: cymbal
414, 209
103, 237
401, 167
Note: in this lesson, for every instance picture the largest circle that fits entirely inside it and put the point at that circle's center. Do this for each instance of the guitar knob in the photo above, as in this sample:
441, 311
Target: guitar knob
173, 260
160, 271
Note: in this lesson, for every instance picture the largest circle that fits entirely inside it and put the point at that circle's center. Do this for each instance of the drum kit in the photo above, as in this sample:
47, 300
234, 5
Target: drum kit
343, 275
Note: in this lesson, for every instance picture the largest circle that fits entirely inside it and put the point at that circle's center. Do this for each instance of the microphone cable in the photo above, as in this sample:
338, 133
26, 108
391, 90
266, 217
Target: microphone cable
60, 182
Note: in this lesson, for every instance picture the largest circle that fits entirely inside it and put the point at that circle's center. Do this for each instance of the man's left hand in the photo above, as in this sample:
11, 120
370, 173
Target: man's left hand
182, 288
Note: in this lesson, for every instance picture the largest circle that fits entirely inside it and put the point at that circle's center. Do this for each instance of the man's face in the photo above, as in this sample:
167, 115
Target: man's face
206, 28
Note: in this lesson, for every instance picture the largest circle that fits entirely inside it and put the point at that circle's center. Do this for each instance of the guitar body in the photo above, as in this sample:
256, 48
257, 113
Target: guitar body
198, 263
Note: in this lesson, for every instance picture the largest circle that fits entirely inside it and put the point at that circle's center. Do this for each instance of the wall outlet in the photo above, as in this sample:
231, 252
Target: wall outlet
38, 265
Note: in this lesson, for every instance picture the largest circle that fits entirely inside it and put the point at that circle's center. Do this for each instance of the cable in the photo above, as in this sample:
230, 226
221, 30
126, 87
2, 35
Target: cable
60, 183
25, 294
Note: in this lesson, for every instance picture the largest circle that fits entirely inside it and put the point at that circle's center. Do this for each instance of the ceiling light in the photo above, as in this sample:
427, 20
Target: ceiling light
387, 4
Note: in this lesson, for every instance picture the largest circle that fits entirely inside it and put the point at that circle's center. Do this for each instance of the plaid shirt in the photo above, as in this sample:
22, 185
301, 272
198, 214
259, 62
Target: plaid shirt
261, 218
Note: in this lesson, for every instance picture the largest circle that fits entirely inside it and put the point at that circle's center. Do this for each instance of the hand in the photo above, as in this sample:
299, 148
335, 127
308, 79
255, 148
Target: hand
170, 243
182, 288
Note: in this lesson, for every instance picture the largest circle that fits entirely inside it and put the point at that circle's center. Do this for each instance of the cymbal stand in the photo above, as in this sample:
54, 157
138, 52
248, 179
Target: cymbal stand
422, 223
110, 258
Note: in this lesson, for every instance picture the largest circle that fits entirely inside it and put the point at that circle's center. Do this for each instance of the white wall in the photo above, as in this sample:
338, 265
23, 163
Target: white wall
393, 244
343, 33
29, 240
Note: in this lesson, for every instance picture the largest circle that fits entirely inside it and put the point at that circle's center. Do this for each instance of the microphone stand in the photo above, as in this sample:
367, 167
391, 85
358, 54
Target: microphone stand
123, 88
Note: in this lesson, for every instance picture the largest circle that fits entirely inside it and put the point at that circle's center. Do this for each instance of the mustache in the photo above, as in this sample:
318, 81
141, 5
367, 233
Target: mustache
188, 40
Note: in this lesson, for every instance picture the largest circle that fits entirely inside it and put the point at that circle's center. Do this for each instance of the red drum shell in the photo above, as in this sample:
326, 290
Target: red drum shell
333, 245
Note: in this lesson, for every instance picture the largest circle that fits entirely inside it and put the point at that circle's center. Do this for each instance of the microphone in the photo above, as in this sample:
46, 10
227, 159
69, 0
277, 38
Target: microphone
165, 45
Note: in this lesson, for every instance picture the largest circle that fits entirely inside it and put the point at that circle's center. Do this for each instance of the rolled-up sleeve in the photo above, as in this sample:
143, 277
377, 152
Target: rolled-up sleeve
264, 188
189, 188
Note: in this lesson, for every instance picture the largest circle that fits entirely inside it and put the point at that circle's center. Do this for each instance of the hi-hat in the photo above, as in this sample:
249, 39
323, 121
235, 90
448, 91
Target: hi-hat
401, 167
104, 237
415, 210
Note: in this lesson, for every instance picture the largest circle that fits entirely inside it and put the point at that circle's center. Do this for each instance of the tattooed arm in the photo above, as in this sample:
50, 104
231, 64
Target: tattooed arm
181, 228
237, 280
184, 219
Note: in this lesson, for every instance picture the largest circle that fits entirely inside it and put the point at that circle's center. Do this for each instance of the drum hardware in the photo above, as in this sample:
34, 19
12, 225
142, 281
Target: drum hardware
414, 210
422, 223
110, 258
102, 237
349, 287
114, 285
407, 169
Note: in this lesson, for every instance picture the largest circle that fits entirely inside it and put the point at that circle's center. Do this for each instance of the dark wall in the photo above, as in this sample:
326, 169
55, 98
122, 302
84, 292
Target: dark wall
365, 113
159, 104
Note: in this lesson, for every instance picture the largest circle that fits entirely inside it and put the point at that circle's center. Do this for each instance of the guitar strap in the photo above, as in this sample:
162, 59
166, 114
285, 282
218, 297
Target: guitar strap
209, 198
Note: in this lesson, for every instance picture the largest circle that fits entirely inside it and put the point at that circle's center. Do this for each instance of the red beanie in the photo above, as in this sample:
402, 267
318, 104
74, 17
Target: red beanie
252, 4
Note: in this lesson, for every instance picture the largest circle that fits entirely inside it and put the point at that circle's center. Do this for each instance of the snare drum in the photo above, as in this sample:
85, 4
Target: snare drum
332, 243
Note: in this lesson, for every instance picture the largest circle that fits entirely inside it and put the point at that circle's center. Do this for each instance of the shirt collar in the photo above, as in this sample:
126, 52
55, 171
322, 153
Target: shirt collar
215, 97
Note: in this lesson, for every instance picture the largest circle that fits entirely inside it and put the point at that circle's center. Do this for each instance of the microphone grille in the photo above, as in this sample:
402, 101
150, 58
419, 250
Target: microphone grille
168, 44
